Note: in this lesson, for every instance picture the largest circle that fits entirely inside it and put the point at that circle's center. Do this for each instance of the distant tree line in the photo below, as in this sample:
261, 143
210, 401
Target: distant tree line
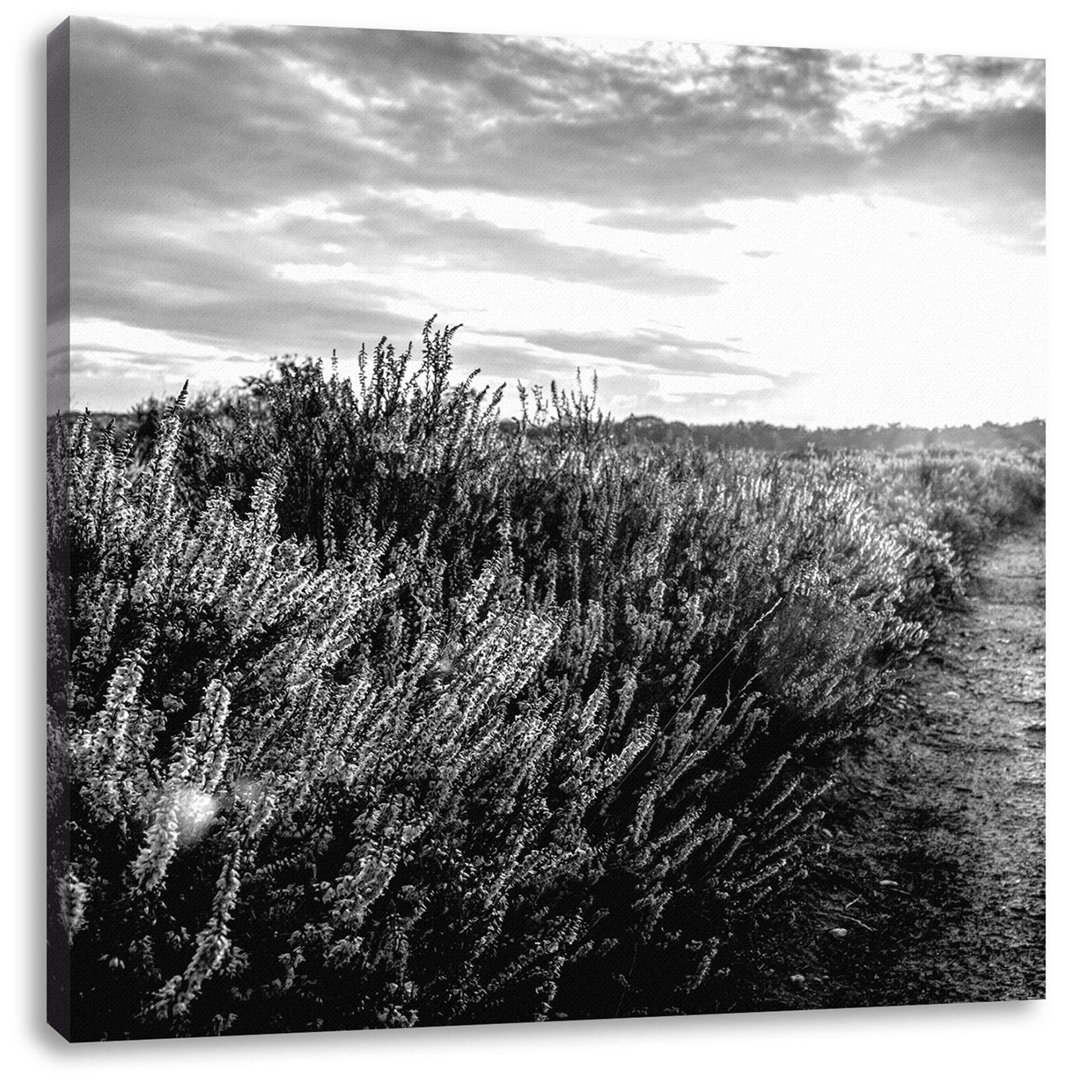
758, 435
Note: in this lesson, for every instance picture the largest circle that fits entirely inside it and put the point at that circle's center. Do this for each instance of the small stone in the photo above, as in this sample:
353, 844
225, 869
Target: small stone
838, 932
798, 980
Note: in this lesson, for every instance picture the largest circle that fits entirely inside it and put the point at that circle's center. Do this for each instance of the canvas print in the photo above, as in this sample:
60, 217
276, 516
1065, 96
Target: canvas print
539, 529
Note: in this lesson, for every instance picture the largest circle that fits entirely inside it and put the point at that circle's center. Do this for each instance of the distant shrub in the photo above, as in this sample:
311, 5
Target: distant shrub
966, 498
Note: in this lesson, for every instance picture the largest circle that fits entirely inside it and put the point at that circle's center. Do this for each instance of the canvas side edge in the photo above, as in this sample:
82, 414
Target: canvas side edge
58, 572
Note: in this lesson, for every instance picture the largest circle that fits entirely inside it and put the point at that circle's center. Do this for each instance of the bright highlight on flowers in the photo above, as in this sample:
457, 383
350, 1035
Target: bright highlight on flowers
195, 811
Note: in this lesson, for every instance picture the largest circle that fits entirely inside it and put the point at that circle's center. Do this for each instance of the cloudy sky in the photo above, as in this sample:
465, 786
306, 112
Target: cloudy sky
717, 232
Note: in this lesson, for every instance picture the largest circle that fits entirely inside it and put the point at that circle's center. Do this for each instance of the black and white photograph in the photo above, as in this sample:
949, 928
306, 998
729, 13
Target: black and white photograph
540, 528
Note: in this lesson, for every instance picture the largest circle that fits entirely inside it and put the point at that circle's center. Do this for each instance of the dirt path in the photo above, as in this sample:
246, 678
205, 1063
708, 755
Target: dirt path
933, 890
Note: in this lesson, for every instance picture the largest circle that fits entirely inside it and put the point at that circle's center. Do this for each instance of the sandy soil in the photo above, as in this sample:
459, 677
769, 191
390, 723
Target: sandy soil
930, 883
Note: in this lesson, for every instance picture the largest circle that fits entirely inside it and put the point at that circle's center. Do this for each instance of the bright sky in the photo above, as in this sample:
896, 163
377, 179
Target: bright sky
720, 233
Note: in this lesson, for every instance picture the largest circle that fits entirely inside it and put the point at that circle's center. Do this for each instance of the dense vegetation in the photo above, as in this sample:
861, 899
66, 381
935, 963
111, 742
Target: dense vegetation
381, 711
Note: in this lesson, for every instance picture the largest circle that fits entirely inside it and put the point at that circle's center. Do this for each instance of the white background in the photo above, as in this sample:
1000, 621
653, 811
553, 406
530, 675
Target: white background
1029, 1040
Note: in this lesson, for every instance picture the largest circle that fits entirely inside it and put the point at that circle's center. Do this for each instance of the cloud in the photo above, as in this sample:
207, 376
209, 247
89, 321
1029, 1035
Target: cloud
204, 288
275, 286
646, 351
251, 112
759, 254
1026, 78
508, 362
698, 401
467, 242
166, 121
644, 362
661, 221
226, 118
995, 176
